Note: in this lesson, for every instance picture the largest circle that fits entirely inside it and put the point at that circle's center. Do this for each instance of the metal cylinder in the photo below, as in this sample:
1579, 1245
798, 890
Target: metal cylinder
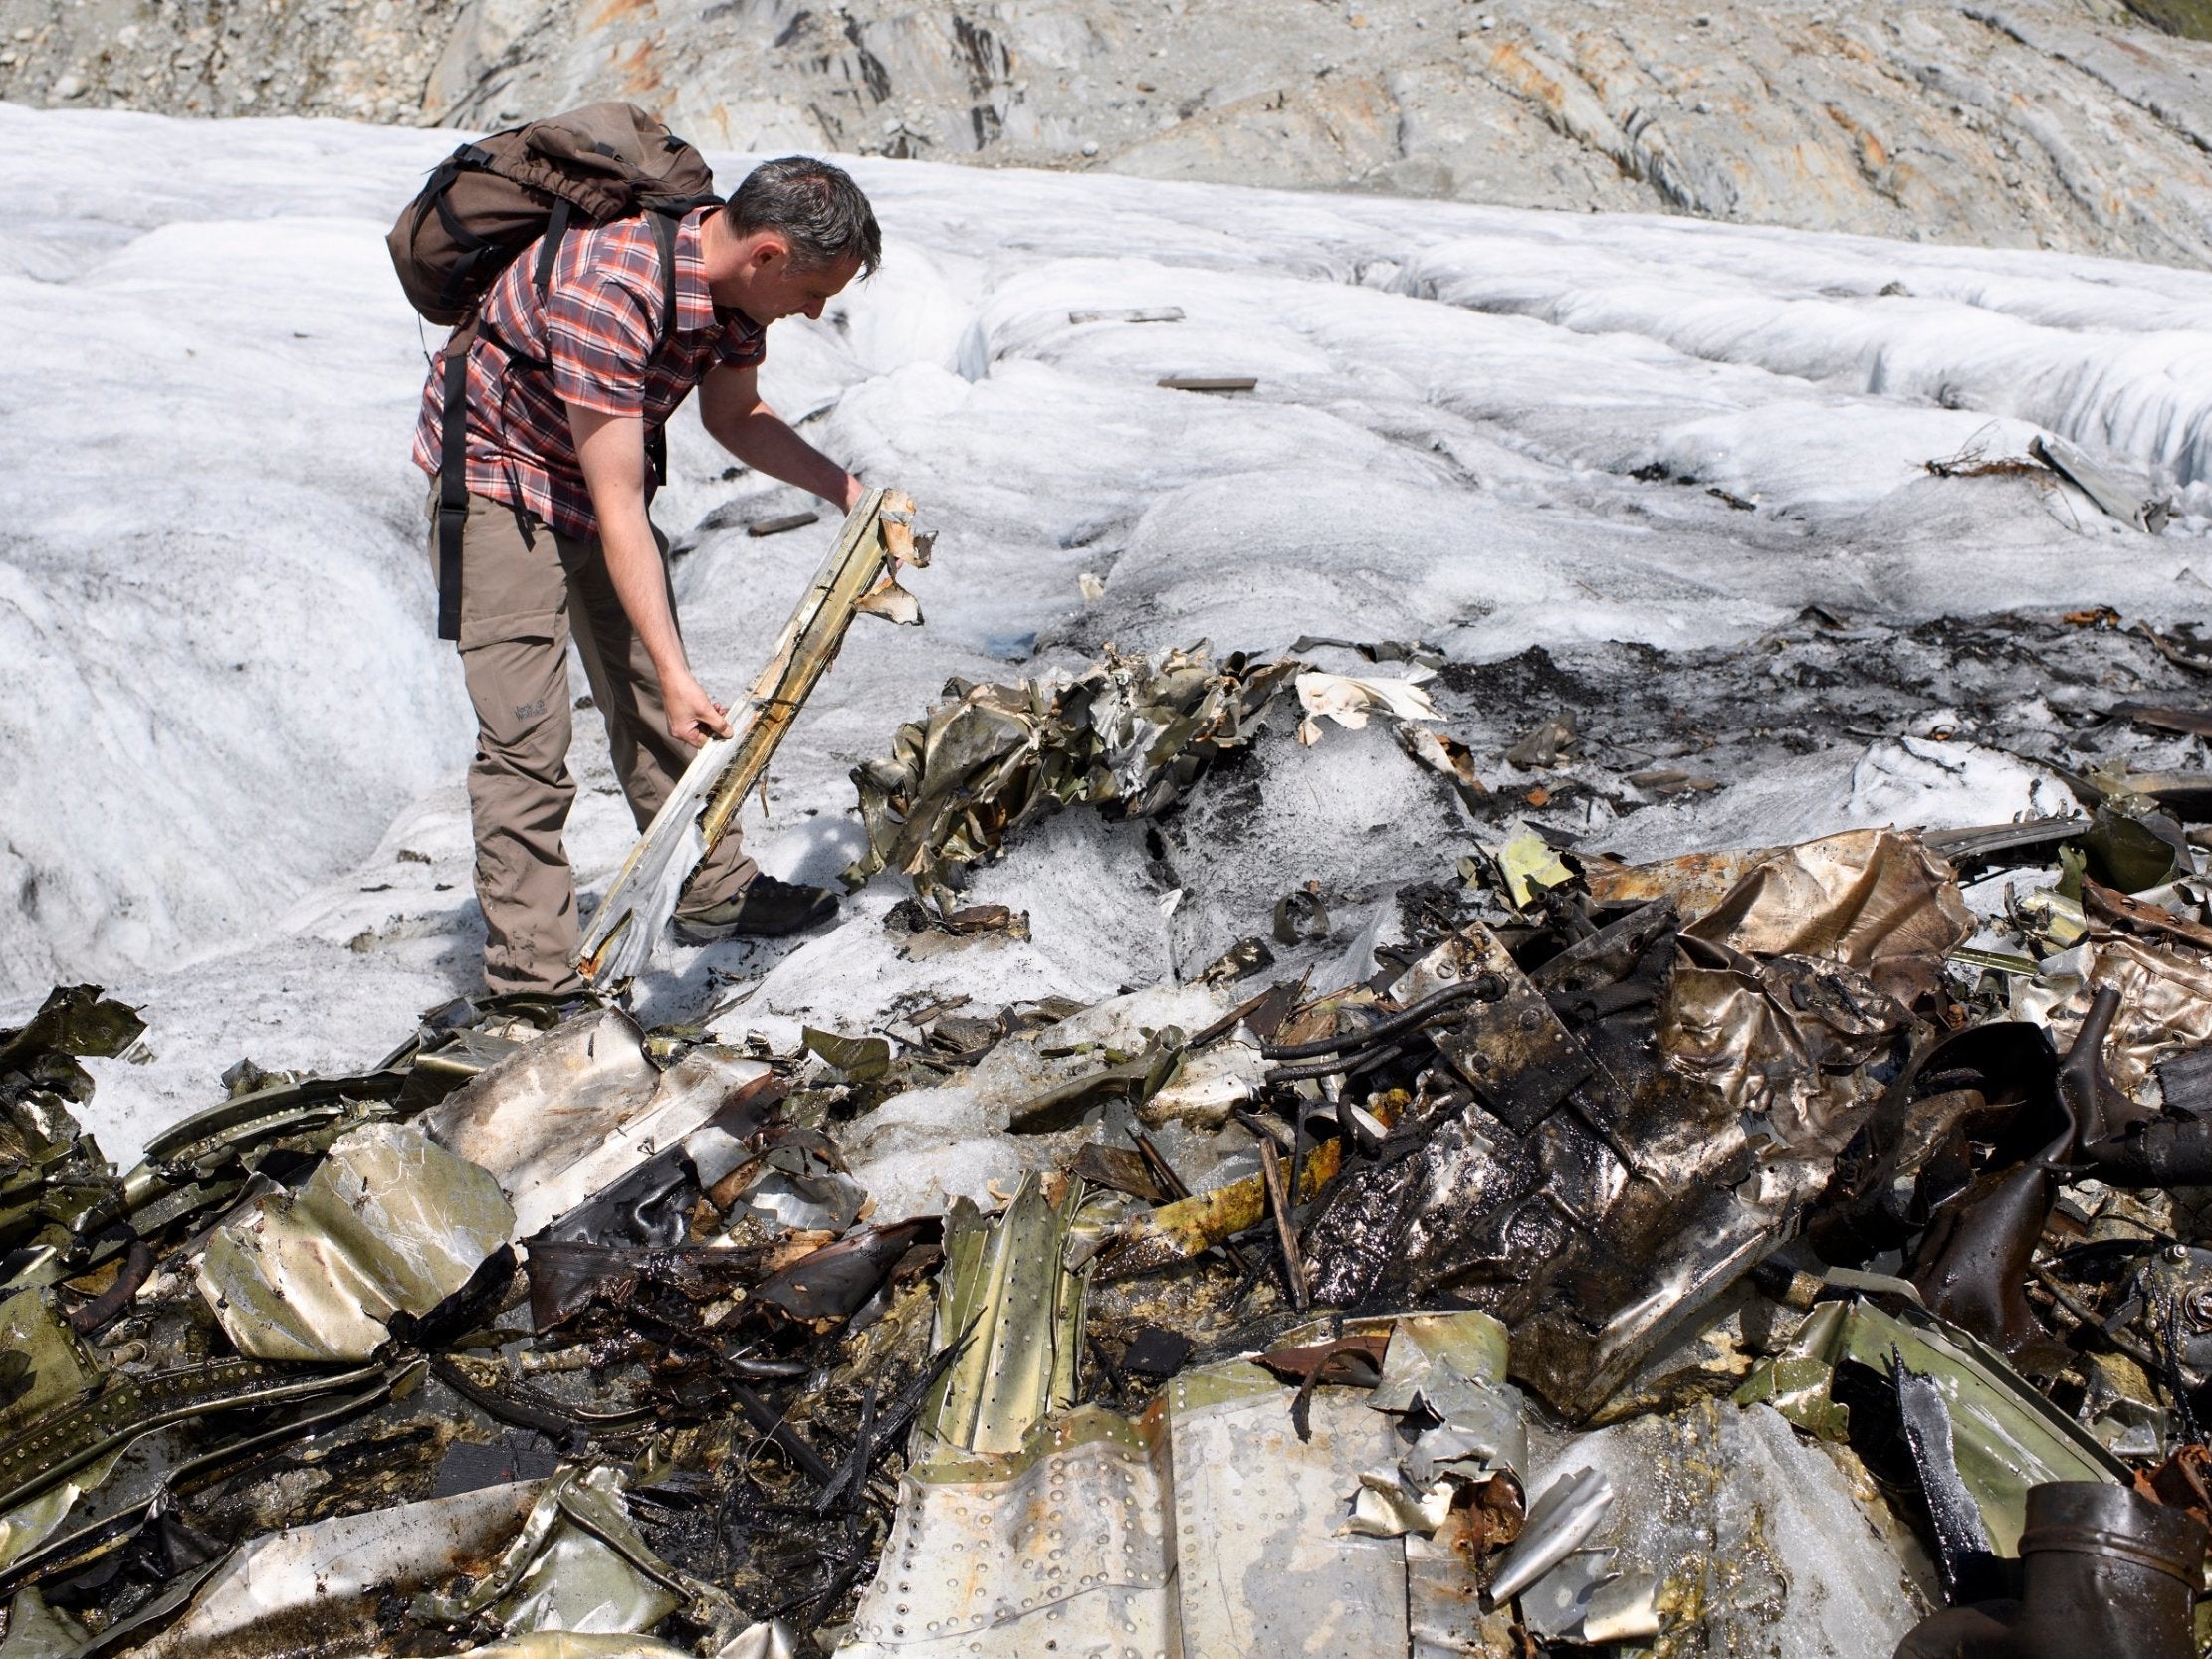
2107, 1571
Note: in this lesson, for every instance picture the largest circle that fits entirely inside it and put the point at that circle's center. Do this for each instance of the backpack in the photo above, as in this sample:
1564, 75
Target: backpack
487, 202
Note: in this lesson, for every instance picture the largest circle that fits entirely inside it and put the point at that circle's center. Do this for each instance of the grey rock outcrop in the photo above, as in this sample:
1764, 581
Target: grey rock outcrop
2061, 124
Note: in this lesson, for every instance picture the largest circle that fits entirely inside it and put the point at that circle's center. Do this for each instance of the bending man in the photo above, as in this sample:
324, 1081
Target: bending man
565, 389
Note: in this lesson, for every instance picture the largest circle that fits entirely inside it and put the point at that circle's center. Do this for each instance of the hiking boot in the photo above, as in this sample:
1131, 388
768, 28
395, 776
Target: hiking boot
763, 908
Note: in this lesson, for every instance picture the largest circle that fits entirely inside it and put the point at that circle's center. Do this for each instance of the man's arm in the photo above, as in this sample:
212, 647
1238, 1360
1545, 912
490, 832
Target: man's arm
729, 406
612, 450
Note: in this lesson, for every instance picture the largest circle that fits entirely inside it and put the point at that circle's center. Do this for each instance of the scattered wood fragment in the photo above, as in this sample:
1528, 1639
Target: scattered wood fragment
778, 525
1208, 382
1286, 1236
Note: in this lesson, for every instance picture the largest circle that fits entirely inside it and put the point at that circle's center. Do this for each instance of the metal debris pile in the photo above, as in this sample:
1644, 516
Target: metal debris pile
1127, 735
1797, 1250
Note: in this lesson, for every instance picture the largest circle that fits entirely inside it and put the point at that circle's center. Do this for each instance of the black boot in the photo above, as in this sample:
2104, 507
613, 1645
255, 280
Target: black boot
763, 908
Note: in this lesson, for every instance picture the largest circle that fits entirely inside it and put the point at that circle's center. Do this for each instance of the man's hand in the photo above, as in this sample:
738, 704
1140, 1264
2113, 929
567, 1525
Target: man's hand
693, 715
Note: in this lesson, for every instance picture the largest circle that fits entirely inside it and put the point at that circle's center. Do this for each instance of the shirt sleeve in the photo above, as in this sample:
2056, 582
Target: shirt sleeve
598, 338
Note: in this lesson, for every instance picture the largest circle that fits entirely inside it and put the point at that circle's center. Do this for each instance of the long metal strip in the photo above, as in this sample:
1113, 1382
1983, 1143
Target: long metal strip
64, 1441
694, 817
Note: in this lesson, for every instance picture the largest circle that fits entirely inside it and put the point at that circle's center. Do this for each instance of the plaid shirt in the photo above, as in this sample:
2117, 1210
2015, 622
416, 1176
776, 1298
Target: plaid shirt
589, 341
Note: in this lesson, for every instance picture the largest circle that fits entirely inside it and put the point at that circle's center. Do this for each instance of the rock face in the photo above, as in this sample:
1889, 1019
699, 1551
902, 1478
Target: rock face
2061, 124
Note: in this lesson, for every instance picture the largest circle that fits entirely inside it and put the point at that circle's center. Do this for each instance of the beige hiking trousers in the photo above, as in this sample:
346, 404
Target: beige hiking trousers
524, 591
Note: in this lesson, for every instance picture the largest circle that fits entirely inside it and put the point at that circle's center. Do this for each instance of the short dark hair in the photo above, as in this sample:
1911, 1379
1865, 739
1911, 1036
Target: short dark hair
815, 206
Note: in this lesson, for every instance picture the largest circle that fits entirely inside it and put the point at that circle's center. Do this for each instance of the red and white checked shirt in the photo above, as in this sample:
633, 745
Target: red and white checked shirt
593, 331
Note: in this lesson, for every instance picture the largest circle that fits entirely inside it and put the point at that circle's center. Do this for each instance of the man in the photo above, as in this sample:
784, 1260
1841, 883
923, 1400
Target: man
565, 387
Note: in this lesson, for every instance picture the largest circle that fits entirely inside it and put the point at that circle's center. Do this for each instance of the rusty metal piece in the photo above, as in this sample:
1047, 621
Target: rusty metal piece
1696, 882
1110, 1166
1354, 1360
1607, 956
2115, 905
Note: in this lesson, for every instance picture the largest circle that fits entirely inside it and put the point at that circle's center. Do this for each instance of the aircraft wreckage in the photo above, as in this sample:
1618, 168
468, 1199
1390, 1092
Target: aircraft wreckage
1753, 1251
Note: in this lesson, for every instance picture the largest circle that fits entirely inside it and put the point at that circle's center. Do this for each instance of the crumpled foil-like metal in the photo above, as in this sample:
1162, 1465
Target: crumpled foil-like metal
1780, 1038
389, 1220
2166, 1004
576, 1108
578, 1564
1127, 735
1875, 900
1452, 1367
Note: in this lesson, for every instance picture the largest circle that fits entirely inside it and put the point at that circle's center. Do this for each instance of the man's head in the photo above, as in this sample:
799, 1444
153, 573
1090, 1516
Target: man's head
795, 233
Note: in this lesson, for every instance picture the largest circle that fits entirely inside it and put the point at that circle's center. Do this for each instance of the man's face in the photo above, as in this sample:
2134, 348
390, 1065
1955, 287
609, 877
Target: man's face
777, 286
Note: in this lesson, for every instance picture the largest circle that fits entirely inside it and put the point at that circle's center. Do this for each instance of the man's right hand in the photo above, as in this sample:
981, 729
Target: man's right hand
693, 715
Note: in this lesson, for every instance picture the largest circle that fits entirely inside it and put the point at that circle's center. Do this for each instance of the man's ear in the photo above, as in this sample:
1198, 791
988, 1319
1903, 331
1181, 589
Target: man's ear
769, 252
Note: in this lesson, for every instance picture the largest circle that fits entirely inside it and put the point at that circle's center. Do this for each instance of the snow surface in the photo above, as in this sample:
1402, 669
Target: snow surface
230, 749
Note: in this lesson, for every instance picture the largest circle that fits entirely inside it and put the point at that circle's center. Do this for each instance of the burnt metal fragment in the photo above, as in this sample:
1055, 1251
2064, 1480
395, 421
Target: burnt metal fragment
1512, 1048
1129, 735
1110, 1166
1973, 1266
650, 1208
568, 1276
1155, 1353
837, 1279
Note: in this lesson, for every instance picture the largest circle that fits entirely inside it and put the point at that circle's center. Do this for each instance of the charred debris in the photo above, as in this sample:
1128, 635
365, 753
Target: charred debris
1798, 1249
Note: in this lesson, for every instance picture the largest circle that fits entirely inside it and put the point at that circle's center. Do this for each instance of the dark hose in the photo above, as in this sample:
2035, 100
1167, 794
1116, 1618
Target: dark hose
1484, 987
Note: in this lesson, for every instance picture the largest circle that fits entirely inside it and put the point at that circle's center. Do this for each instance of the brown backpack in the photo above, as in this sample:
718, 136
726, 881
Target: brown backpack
487, 202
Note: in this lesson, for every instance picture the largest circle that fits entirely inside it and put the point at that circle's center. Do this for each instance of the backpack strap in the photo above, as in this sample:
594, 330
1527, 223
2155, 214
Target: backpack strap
474, 249
453, 478
664, 233
548, 246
